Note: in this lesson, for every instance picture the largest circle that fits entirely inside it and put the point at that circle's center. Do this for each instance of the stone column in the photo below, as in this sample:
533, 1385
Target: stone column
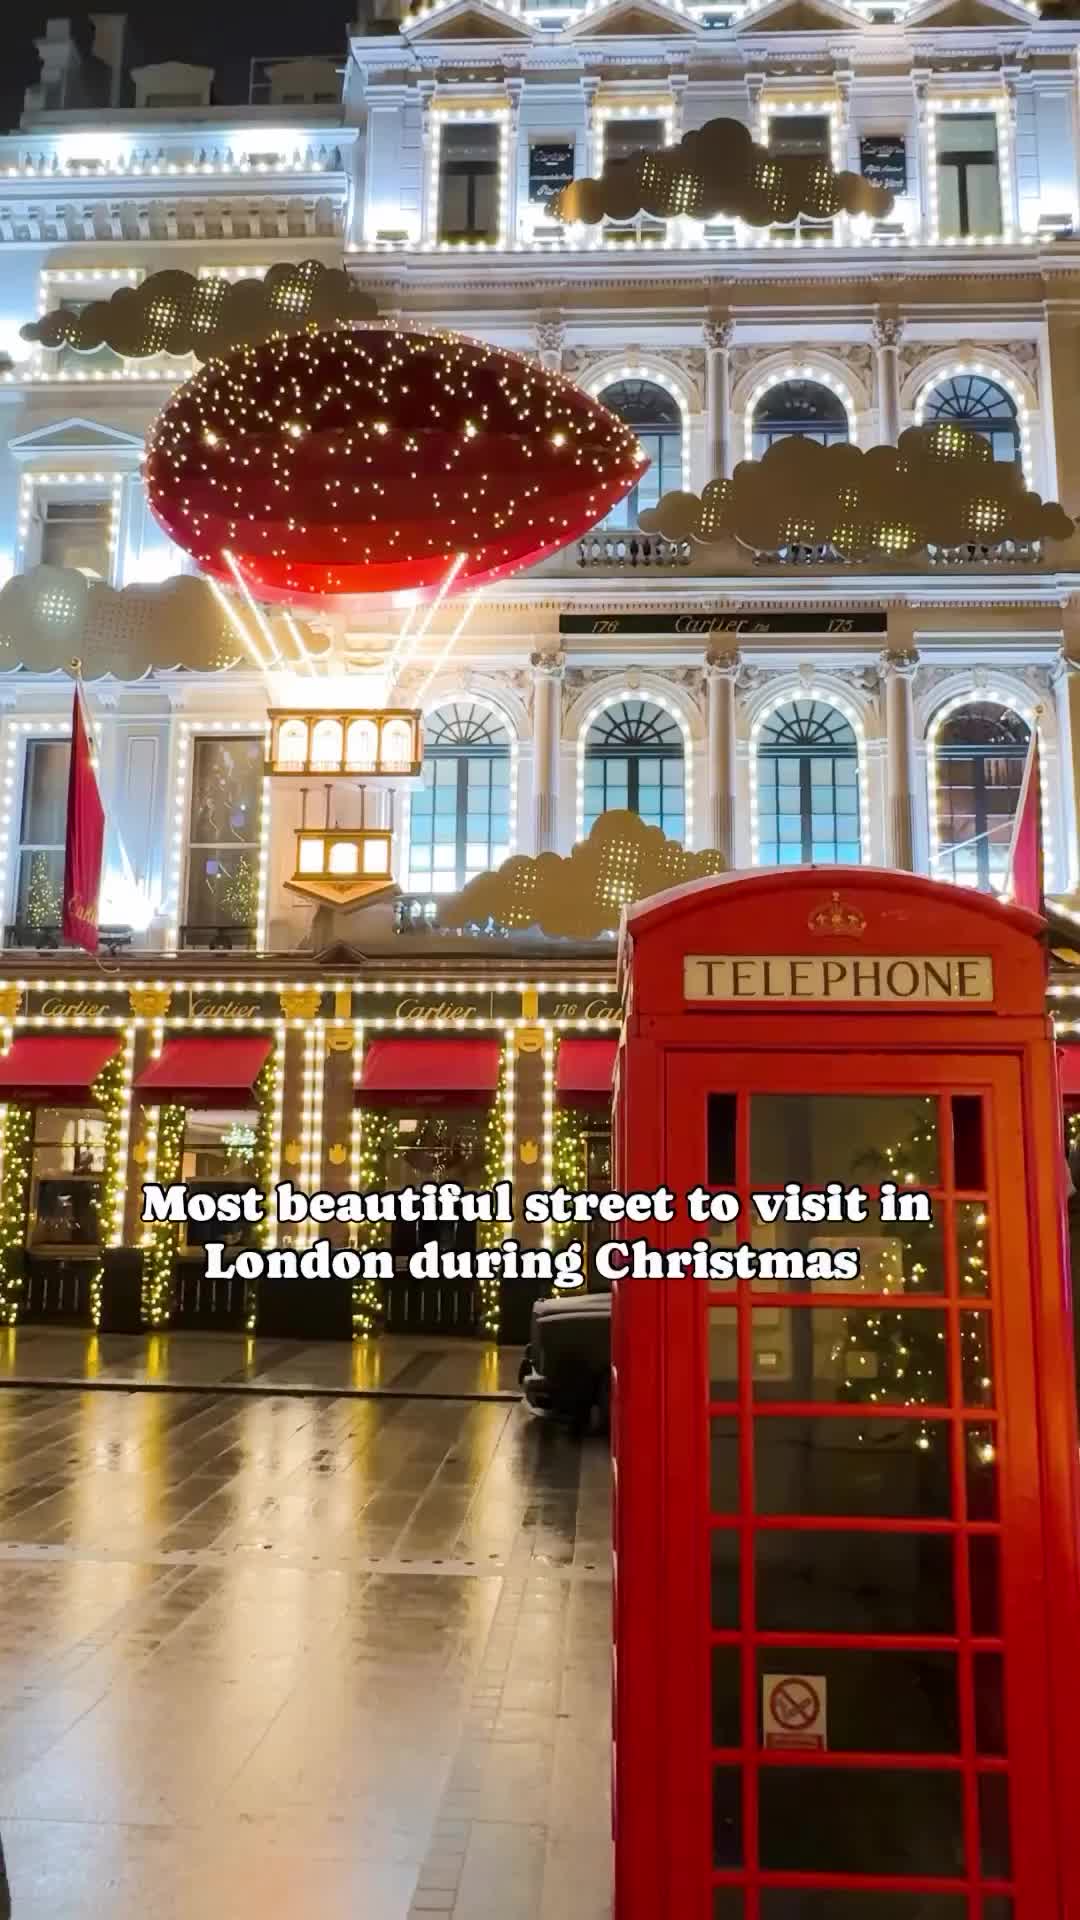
721, 673
898, 666
550, 341
720, 451
888, 332
547, 714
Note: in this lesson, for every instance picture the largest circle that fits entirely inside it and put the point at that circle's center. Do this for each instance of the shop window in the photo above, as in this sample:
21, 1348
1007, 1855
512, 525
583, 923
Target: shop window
39, 885
459, 824
970, 400
551, 168
634, 759
803, 408
979, 766
68, 1161
220, 1148
223, 844
654, 415
808, 787
76, 533
447, 1145
469, 181
969, 187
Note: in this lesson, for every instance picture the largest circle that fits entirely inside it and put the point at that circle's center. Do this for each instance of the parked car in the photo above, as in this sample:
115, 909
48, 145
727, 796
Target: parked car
566, 1371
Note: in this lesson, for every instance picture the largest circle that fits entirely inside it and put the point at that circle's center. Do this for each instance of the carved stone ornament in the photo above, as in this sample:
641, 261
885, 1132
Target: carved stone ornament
551, 333
338, 1154
548, 666
887, 331
837, 919
150, 1003
901, 661
719, 333
725, 665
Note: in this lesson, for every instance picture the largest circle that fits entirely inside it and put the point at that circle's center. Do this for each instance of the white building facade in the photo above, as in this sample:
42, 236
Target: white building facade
790, 708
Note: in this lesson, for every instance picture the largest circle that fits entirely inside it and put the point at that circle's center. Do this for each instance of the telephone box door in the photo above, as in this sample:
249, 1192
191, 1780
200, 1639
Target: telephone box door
857, 1722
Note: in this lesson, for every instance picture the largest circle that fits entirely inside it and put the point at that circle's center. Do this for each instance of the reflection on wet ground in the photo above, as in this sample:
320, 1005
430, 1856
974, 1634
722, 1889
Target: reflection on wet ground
393, 1364
301, 1659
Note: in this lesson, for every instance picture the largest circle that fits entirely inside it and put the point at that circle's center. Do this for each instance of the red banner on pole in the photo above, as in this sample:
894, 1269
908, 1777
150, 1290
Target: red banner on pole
84, 845
1024, 878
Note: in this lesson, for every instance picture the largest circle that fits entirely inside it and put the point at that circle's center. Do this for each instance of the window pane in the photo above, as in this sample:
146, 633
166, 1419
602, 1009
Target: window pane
855, 1138
76, 534
839, 1582
879, 1701
44, 813
861, 1820
843, 1466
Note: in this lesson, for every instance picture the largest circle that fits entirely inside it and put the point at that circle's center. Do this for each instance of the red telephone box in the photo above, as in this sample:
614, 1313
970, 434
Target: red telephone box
846, 1624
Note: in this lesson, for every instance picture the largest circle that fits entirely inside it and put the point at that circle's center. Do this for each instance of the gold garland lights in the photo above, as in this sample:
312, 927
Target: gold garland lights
18, 1136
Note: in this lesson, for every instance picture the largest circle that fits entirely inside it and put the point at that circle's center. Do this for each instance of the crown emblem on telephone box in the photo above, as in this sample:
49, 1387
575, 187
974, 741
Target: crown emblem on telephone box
835, 917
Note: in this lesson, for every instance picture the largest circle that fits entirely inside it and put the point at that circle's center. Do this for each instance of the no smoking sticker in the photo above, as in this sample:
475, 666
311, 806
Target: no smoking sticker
794, 1711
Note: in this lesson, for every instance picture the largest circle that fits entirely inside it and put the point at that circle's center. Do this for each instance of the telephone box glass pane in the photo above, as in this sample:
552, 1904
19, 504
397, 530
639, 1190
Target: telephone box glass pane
973, 1248
980, 1472
811, 1903
989, 1703
723, 1357
985, 1579
861, 1820
878, 1701
721, 1109
976, 1359
969, 1173
858, 1139
728, 1904
726, 1697
872, 1468
870, 1357
724, 1551
995, 1844
894, 1257
725, 1465
840, 1582
727, 1817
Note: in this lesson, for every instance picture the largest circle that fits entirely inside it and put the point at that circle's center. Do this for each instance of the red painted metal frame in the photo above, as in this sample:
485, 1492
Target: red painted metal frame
671, 1057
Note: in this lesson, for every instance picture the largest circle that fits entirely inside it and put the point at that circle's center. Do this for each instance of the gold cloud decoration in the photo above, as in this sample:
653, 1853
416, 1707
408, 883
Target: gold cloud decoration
718, 172
580, 895
939, 486
176, 312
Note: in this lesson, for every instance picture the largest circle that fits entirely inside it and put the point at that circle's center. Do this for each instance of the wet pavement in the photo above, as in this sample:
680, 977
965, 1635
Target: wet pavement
233, 1362
303, 1658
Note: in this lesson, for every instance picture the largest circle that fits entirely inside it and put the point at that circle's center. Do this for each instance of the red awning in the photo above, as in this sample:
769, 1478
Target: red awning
436, 1072
584, 1071
58, 1069
205, 1070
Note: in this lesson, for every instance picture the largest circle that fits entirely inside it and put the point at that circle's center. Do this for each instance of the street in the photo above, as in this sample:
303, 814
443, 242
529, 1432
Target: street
301, 1656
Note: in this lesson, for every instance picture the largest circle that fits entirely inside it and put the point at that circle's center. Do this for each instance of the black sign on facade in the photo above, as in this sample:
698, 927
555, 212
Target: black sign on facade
883, 159
704, 625
551, 168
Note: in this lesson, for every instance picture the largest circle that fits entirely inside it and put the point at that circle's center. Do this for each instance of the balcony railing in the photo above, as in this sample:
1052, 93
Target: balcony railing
604, 548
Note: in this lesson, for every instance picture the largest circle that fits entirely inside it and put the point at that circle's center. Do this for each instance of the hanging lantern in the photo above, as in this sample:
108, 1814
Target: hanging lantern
342, 864
370, 460
377, 744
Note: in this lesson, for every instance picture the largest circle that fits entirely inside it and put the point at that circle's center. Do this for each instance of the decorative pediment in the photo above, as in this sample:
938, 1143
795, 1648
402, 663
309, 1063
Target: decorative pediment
626, 18
468, 20
799, 16
970, 13
74, 435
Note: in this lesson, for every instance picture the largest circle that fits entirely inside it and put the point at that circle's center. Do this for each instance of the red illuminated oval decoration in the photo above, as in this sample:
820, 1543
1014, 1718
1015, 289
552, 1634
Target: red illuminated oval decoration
367, 460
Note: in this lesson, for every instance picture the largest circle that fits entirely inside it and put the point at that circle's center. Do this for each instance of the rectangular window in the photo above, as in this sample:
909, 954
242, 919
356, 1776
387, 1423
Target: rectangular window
801, 136
75, 533
68, 1160
969, 189
70, 360
39, 884
469, 182
219, 1157
223, 843
624, 138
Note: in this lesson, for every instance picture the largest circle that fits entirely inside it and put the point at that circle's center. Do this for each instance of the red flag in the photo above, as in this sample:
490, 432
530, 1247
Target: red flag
1024, 873
85, 840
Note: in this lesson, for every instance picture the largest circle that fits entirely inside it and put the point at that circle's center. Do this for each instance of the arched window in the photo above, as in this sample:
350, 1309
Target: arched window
808, 786
803, 407
970, 400
634, 758
979, 756
459, 824
654, 415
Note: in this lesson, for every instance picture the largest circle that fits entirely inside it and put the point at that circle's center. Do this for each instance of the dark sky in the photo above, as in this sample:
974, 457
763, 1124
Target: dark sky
223, 34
